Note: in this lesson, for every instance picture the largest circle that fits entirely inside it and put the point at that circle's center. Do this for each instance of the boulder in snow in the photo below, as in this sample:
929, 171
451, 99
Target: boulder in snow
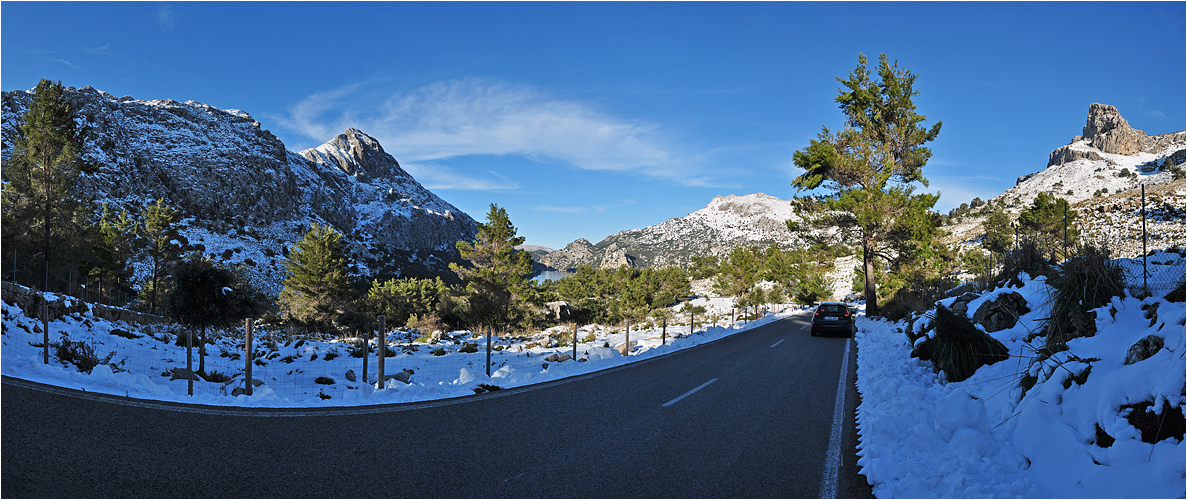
1143, 349
1002, 313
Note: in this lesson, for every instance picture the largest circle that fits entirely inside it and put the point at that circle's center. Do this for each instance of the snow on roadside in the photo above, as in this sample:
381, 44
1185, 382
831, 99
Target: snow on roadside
315, 374
922, 437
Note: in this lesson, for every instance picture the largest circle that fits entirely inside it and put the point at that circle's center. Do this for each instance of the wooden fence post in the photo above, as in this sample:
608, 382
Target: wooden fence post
366, 352
247, 355
382, 349
189, 361
45, 330
489, 333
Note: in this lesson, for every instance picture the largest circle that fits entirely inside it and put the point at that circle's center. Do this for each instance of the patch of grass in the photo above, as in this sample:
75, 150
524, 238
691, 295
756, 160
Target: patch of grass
330, 355
1084, 282
469, 348
486, 388
440, 351
1026, 258
323, 381
217, 377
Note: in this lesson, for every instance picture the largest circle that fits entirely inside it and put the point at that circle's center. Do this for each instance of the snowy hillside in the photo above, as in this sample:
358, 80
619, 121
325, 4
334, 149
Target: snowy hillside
751, 220
1101, 174
1073, 434
244, 196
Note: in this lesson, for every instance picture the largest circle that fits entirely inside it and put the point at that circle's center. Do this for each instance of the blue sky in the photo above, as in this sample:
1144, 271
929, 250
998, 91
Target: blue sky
584, 119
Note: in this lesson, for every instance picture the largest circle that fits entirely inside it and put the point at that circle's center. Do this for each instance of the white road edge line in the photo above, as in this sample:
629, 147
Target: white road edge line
832, 464
689, 393
772, 345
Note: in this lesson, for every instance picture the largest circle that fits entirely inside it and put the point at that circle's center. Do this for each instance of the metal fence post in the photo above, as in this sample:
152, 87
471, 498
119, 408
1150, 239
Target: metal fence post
247, 355
490, 332
382, 350
366, 352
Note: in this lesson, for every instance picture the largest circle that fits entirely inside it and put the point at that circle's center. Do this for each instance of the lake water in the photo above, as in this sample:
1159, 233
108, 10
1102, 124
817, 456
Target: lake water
550, 275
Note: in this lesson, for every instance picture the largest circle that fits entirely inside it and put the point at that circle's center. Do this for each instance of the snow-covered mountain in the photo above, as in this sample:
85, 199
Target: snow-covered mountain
751, 220
1101, 173
244, 197
1109, 157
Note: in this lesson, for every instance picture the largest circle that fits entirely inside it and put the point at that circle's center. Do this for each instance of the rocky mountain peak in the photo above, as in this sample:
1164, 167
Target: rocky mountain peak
357, 154
1108, 131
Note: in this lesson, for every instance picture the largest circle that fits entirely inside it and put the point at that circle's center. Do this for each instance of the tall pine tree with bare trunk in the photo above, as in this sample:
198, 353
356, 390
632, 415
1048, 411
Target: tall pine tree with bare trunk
869, 168
40, 207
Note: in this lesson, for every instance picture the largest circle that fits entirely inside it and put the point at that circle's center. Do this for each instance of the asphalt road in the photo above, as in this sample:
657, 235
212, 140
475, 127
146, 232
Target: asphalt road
750, 416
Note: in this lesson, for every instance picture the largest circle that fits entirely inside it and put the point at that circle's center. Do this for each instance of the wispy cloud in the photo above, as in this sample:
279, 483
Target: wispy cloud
68, 63
574, 210
166, 19
103, 50
436, 176
466, 117
579, 209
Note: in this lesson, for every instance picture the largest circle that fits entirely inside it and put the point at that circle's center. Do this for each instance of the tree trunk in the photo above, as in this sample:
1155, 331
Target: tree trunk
871, 291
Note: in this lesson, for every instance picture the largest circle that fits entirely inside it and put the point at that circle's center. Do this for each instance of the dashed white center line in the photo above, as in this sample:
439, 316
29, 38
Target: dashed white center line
689, 393
777, 343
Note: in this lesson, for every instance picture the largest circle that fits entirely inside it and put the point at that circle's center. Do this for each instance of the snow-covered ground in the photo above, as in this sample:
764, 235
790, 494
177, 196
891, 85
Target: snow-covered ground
924, 437
297, 373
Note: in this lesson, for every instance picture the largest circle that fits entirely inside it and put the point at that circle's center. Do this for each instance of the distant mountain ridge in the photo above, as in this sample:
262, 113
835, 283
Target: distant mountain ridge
244, 196
750, 220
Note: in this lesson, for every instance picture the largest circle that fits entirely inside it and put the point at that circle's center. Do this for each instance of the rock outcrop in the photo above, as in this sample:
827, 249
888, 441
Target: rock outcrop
1108, 133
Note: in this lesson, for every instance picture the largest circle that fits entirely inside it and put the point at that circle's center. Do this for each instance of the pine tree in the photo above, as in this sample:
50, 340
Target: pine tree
869, 166
497, 271
317, 290
114, 250
998, 236
41, 207
1043, 222
161, 245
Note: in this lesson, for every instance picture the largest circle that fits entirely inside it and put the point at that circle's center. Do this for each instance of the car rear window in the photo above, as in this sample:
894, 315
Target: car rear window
833, 309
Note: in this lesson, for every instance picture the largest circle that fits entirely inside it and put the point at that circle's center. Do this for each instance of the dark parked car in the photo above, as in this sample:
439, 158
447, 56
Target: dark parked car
833, 317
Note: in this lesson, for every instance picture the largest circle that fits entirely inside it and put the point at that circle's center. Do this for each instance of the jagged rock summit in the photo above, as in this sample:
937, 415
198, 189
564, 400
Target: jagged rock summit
1108, 133
1109, 157
244, 196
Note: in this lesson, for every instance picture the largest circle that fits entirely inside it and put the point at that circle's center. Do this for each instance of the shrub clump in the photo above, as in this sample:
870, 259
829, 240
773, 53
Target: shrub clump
1026, 258
324, 381
79, 354
1084, 282
915, 298
1179, 294
469, 348
958, 347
